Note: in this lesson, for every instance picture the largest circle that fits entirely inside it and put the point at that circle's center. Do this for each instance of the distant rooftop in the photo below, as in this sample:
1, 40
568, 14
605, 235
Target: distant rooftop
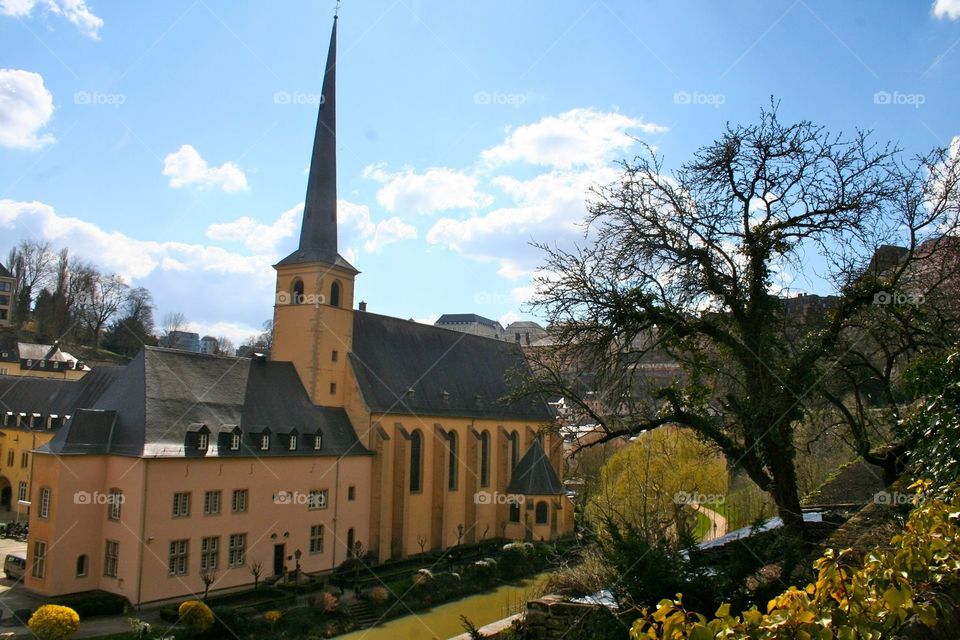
465, 318
4, 272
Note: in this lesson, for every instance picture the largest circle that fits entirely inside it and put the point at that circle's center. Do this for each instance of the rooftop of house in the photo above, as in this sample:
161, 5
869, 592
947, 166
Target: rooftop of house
411, 368
4, 272
534, 475
466, 318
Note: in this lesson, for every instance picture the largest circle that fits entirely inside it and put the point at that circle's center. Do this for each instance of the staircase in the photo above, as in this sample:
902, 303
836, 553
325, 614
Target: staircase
363, 613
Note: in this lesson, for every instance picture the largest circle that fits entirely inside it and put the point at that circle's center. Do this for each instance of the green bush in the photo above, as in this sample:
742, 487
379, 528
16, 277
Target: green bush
933, 431
94, 603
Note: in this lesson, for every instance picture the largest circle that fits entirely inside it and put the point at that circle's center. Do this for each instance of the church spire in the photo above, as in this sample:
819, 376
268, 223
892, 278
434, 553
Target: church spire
318, 235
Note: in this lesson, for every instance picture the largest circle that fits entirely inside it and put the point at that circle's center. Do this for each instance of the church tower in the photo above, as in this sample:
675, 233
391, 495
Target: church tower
312, 316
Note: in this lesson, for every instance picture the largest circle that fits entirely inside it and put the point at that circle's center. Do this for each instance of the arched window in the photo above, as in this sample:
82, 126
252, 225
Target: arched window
485, 459
335, 294
452, 461
514, 450
541, 513
297, 292
81, 566
416, 460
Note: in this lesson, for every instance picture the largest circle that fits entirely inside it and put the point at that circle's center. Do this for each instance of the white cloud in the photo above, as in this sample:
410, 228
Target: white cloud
75, 11
949, 9
25, 107
356, 219
436, 189
575, 138
255, 235
510, 317
186, 167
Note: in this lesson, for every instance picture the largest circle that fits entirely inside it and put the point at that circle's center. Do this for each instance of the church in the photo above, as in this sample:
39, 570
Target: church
361, 434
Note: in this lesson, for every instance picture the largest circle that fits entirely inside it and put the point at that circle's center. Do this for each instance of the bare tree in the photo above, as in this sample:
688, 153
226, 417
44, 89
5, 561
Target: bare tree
104, 298
173, 321
256, 570
32, 264
208, 577
684, 266
225, 346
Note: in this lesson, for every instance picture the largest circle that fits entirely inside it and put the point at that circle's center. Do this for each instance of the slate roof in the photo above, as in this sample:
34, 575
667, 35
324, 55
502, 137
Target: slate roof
4, 272
450, 373
534, 475
465, 318
155, 404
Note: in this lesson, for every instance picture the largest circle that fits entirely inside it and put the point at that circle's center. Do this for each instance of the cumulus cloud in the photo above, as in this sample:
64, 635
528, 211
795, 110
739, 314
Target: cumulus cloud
949, 9
255, 235
75, 11
375, 235
575, 138
436, 189
25, 108
186, 167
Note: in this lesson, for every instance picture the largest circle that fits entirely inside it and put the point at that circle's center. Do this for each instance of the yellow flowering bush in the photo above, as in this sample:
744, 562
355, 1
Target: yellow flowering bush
195, 616
53, 622
272, 616
846, 602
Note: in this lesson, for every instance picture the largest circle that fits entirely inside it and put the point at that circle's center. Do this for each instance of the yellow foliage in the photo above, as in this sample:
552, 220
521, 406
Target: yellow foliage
847, 601
195, 616
272, 616
53, 622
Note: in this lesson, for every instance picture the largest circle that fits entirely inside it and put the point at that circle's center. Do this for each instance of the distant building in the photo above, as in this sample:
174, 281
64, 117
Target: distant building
39, 361
471, 323
182, 340
7, 296
209, 345
524, 332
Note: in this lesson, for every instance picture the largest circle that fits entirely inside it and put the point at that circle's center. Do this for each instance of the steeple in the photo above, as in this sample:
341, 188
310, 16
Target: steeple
318, 232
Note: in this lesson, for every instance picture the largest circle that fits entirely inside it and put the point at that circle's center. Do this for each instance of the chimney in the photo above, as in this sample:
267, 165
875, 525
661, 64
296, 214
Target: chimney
363, 306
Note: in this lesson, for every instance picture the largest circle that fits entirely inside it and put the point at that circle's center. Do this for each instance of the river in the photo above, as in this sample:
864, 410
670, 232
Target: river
443, 621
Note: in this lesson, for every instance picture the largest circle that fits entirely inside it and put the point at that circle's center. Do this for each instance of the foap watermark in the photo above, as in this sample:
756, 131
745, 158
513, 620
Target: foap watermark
99, 99
486, 497
899, 98
297, 98
313, 499
498, 99
698, 98
694, 498
97, 498
492, 297
897, 298
284, 297
895, 498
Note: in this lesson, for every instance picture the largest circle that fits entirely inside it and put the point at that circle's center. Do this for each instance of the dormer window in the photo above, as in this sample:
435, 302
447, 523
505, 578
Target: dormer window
234, 442
203, 441
292, 443
198, 437
317, 442
265, 442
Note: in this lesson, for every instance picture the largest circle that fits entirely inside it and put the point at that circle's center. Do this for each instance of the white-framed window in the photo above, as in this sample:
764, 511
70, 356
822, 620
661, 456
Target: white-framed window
211, 503
44, 509
237, 553
292, 445
39, 559
111, 558
22, 491
316, 538
317, 499
177, 562
181, 504
114, 504
203, 441
239, 501
234, 441
317, 442
264, 442
210, 553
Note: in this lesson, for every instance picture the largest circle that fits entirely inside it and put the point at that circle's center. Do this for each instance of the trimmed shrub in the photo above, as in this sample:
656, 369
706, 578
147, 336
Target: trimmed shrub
195, 616
94, 603
54, 622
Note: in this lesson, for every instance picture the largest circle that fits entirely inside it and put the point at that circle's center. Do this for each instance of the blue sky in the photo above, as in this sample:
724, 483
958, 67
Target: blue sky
169, 141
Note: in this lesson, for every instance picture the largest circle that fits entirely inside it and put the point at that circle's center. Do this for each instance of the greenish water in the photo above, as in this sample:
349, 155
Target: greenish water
443, 621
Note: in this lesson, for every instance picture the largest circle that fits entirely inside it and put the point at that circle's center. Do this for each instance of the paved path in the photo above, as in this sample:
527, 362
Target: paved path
718, 524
